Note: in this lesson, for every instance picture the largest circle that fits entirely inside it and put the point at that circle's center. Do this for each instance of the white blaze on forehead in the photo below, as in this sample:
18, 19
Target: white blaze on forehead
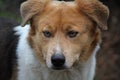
58, 49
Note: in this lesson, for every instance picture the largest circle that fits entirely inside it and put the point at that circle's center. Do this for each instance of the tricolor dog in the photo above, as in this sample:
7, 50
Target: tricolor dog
61, 41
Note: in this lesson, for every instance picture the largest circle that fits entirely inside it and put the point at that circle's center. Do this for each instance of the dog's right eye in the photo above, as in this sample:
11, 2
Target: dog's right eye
47, 34
72, 34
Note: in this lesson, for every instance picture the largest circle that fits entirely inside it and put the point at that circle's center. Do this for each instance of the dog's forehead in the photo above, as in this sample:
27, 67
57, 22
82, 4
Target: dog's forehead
62, 3
60, 7
58, 14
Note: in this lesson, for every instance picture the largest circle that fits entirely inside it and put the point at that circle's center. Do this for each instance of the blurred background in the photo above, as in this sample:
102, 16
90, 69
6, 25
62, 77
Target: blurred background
108, 58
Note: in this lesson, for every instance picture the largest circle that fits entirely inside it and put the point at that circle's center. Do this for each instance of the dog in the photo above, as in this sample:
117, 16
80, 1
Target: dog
61, 41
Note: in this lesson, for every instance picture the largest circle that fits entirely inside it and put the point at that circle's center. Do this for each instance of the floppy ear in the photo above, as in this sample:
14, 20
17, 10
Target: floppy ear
30, 8
95, 10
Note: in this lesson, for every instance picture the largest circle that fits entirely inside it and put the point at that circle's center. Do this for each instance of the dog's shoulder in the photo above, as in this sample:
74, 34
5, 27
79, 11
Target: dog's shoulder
8, 43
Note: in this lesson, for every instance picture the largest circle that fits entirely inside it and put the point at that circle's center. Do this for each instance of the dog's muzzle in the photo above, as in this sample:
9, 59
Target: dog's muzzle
58, 61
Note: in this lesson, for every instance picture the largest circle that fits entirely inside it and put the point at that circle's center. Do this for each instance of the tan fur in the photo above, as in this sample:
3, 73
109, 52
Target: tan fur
60, 17
30, 8
95, 10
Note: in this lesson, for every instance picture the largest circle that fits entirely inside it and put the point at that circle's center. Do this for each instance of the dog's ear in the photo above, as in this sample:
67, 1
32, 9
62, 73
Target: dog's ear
30, 8
95, 10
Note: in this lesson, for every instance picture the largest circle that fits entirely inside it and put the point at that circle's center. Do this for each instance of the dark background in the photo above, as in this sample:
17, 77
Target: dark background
108, 58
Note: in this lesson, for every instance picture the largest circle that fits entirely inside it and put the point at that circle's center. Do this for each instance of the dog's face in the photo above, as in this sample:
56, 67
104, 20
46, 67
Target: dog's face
61, 33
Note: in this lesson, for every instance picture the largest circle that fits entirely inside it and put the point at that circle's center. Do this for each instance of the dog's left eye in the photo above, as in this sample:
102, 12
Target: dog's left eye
72, 34
47, 34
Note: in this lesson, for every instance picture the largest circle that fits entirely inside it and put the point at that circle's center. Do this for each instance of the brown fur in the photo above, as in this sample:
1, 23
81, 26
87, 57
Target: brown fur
60, 17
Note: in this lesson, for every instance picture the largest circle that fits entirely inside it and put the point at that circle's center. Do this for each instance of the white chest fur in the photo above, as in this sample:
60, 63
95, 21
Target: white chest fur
30, 69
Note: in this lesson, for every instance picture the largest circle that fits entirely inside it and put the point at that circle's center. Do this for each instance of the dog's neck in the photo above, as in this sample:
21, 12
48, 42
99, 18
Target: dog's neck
77, 72
30, 68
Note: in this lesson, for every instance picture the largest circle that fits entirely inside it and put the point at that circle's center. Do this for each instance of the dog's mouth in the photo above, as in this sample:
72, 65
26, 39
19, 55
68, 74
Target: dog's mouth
60, 68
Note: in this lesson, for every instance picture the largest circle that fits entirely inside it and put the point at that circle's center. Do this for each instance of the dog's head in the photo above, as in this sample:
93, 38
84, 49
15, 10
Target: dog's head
64, 33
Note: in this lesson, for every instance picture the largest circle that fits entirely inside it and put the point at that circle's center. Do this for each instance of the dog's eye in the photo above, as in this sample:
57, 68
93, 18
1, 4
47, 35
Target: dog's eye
72, 34
47, 34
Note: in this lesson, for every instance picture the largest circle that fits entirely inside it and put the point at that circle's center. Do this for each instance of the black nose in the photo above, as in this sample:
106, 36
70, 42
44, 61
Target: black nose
58, 60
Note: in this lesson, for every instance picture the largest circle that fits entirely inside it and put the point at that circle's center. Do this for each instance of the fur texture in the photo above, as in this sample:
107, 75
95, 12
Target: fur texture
59, 28
31, 69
